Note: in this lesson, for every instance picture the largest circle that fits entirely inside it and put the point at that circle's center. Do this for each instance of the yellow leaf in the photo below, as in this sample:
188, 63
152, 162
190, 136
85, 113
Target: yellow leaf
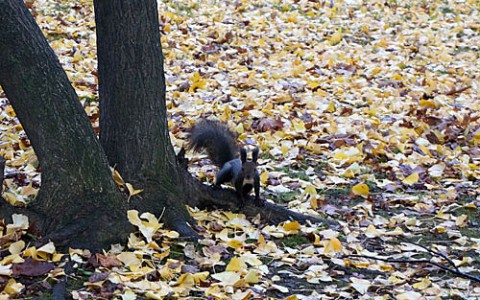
313, 202
197, 82
425, 150
313, 84
117, 178
411, 179
234, 265
12, 287
372, 232
298, 125
252, 276
185, 281
264, 177
423, 284
57, 257
310, 190
331, 107
240, 128
349, 173
129, 259
133, 217
410, 295
336, 37
147, 228
201, 276
292, 226
9, 111
77, 57
291, 18
284, 149
334, 245
215, 292
171, 234
361, 285
316, 241
365, 29
436, 171
131, 190
17, 247
470, 205
226, 278
340, 156
48, 248
235, 244
167, 28
427, 103
462, 221
11, 198
361, 189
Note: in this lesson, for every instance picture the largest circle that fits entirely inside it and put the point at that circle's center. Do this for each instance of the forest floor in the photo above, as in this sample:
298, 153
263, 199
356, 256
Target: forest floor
366, 112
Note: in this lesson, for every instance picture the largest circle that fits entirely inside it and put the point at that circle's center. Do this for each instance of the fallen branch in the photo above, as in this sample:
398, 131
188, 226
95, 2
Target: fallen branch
454, 91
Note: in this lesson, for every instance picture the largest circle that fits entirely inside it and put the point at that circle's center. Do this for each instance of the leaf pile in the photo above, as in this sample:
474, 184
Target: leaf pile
365, 111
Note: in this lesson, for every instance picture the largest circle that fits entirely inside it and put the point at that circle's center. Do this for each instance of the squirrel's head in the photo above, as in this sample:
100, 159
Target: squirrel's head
249, 167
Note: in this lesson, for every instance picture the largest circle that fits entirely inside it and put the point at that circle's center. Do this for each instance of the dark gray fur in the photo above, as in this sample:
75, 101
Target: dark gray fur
219, 142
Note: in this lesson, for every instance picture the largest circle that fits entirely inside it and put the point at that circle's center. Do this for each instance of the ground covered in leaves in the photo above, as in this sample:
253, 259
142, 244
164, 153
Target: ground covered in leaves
366, 112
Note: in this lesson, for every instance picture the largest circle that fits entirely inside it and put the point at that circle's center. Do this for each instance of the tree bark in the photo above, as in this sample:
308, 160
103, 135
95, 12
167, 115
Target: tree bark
133, 120
78, 197
2, 173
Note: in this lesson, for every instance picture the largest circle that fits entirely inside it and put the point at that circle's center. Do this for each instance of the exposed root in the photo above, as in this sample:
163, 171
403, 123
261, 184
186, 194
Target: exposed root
203, 196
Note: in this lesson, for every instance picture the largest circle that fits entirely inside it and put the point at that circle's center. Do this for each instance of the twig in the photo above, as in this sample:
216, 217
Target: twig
419, 261
454, 91
430, 251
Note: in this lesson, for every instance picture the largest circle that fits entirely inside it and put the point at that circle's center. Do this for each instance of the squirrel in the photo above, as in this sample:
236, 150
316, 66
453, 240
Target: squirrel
219, 142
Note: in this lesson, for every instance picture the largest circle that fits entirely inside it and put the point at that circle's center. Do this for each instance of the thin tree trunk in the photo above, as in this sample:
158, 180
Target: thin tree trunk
133, 122
78, 196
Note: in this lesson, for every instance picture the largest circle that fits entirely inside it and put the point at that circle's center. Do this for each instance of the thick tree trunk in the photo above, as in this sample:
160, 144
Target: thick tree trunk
133, 122
78, 196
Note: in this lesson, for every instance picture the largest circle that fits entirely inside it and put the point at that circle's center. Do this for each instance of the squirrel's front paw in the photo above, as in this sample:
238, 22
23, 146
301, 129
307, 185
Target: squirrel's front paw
259, 202
241, 203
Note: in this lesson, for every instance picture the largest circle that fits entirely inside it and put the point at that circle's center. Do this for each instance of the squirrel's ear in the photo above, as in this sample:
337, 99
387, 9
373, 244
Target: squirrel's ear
243, 155
255, 155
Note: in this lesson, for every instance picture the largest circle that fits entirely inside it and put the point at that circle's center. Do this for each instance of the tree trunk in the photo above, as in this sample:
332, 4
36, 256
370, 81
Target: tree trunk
78, 197
133, 121
79, 204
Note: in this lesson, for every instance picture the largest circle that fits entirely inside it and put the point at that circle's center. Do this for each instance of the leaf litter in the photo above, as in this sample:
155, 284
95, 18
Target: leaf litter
365, 111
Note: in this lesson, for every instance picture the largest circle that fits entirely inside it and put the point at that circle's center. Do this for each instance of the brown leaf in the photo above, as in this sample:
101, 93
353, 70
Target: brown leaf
269, 125
96, 277
108, 261
31, 267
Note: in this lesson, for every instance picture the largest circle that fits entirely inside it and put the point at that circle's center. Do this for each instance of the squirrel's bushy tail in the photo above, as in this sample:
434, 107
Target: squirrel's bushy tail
216, 138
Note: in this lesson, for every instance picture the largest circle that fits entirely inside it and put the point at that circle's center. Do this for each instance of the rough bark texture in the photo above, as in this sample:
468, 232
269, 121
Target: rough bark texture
2, 172
133, 122
78, 196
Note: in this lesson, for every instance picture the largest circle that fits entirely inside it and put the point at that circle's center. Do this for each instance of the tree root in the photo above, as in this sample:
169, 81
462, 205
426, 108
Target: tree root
200, 195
